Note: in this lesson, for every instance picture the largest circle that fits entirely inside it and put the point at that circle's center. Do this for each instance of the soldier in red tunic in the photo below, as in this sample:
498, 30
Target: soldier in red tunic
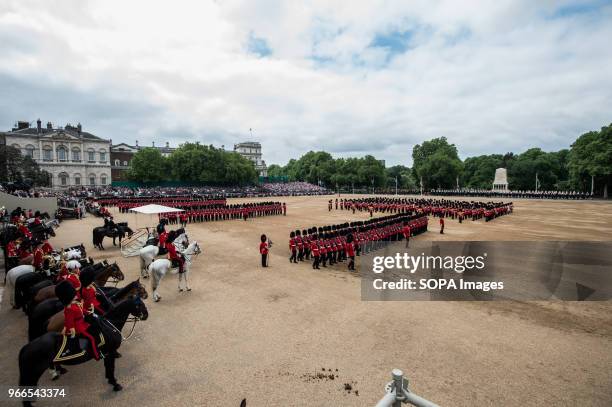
263, 250
12, 252
350, 252
293, 248
406, 232
441, 226
38, 257
74, 322
314, 249
88, 293
174, 256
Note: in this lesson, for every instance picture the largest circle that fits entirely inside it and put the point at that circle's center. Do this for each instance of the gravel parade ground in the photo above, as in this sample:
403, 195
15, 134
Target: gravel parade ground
293, 336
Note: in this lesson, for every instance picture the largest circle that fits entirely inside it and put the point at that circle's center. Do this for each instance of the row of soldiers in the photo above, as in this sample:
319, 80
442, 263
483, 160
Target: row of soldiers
331, 244
575, 195
443, 208
226, 212
188, 205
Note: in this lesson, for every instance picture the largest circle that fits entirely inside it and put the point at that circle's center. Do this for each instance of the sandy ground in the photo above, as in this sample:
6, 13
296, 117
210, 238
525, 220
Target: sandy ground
266, 334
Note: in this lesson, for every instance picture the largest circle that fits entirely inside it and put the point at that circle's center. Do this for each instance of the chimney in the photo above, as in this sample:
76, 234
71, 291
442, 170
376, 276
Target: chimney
79, 128
110, 141
167, 144
49, 126
38, 126
153, 144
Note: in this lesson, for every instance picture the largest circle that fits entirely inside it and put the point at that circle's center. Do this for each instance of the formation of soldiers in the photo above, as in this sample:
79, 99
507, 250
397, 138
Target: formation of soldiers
512, 194
328, 245
443, 208
226, 212
182, 202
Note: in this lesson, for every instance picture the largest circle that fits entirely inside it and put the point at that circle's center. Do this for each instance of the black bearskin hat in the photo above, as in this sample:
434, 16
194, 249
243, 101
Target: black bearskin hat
65, 292
87, 277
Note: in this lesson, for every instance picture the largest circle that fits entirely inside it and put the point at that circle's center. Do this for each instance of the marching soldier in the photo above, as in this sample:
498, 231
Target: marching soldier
263, 250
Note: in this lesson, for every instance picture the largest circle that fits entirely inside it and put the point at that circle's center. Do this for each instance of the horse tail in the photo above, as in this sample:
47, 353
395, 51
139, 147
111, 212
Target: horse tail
94, 237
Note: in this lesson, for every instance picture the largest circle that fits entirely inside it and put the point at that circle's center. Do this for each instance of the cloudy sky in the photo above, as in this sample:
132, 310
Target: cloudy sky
349, 77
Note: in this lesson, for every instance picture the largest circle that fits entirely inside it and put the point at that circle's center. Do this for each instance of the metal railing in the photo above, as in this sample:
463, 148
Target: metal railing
398, 393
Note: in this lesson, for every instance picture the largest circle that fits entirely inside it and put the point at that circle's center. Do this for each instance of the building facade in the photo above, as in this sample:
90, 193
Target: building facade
251, 150
72, 156
121, 158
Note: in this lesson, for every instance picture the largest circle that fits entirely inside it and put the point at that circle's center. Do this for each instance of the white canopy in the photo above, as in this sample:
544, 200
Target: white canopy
155, 209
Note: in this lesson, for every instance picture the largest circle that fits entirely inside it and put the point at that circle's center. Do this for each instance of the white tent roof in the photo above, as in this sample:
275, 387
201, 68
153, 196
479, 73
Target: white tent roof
155, 209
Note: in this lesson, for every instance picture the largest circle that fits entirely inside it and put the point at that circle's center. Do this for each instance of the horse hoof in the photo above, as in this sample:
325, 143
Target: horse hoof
180, 290
61, 370
55, 376
189, 289
157, 299
117, 387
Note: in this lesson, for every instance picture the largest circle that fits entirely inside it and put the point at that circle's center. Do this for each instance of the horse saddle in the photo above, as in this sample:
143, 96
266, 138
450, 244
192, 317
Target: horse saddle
175, 263
76, 348
152, 242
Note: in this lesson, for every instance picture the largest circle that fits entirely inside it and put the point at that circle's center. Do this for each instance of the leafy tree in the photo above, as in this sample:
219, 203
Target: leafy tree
21, 169
590, 158
437, 163
148, 165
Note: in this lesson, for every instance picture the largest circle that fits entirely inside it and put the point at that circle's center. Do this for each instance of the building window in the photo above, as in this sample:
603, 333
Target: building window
63, 177
29, 151
91, 156
76, 155
117, 163
125, 164
92, 180
61, 153
77, 180
103, 179
47, 154
102, 156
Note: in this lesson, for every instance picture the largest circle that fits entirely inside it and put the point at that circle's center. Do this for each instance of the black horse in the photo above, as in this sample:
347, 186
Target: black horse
41, 353
120, 231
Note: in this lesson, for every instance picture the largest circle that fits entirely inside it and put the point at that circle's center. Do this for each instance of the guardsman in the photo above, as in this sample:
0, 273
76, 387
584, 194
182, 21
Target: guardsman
314, 249
406, 232
88, 293
12, 252
293, 248
441, 226
74, 321
284, 209
173, 255
263, 250
350, 252
39, 254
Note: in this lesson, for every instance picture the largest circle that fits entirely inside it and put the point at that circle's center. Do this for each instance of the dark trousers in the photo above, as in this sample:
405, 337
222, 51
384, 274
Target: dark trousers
315, 264
351, 265
264, 260
293, 258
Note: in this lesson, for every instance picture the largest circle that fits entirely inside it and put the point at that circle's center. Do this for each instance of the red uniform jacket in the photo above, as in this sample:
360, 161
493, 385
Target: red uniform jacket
314, 248
47, 248
350, 249
263, 248
162, 239
74, 280
11, 249
73, 318
172, 251
38, 258
90, 302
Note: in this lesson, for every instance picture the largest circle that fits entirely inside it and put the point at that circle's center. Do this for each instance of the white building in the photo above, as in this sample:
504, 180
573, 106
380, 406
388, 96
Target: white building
251, 150
73, 157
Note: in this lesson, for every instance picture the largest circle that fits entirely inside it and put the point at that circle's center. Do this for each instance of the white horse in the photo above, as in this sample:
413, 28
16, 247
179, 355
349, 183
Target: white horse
160, 267
11, 279
149, 253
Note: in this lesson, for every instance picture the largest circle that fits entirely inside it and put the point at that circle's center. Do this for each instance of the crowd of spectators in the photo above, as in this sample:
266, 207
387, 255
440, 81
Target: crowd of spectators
263, 190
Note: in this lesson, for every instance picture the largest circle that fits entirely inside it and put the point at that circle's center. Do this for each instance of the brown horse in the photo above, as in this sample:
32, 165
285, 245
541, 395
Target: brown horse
56, 322
109, 271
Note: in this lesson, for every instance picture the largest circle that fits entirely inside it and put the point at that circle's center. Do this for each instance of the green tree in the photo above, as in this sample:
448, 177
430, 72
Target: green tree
436, 163
590, 159
22, 169
148, 165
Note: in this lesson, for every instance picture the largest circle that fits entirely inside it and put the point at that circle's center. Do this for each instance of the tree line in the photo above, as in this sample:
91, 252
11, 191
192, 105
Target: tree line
192, 163
436, 165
